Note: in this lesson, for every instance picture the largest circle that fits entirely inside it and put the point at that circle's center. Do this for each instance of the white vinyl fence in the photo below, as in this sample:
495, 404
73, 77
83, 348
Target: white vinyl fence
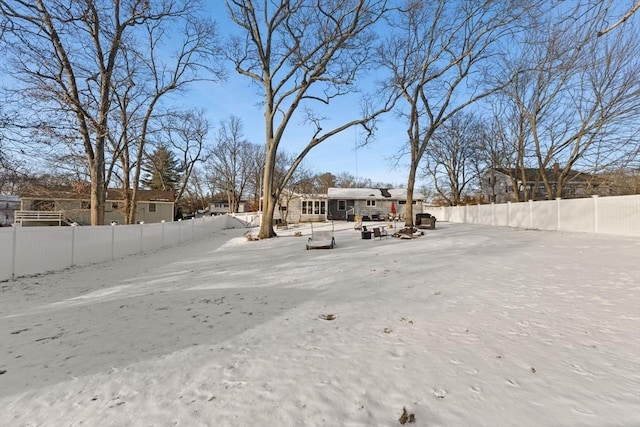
32, 250
619, 215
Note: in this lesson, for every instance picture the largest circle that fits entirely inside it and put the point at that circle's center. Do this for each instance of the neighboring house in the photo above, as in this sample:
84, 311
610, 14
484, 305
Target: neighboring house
8, 205
221, 206
67, 205
370, 203
497, 185
295, 207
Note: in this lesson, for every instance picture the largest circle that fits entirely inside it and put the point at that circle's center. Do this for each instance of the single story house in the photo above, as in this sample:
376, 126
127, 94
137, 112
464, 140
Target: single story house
221, 206
295, 207
8, 205
370, 203
66, 205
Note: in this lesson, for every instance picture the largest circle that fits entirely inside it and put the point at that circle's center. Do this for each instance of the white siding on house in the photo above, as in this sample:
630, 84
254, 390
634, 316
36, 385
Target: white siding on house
8, 205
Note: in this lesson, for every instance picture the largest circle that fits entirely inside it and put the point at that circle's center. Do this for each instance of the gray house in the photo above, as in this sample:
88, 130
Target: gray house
371, 203
296, 207
510, 185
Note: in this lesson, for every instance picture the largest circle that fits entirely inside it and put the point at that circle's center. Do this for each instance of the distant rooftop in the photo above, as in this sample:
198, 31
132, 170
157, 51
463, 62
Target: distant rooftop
371, 193
9, 198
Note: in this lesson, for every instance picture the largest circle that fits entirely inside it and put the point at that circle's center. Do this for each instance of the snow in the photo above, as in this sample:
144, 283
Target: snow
466, 325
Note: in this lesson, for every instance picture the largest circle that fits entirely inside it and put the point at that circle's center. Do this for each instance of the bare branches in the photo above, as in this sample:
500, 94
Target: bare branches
439, 54
624, 17
302, 54
89, 60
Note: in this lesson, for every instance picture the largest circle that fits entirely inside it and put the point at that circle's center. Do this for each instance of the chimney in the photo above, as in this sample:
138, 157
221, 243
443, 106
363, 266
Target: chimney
556, 168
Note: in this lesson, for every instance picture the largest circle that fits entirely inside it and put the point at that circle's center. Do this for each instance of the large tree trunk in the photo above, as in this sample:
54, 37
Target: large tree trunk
97, 188
411, 182
268, 198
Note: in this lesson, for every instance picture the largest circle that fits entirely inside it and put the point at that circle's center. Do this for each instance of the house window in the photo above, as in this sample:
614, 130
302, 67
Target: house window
314, 207
152, 207
342, 205
85, 204
371, 202
402, 202
114, 205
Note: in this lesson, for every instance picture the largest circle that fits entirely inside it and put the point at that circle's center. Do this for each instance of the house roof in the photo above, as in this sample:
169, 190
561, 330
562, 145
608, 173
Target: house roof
9, 198
532, 173
371, 194
83, 192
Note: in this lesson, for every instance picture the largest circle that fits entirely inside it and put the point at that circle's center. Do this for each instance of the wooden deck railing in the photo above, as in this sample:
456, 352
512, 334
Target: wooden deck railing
38, 216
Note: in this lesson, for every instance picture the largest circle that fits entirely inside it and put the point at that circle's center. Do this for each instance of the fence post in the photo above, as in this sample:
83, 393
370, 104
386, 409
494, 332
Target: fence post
530, 214
73, 244
558, 213
141, 234
493, 213
595, 213
113, 238
162, 244
508, 214
14, 244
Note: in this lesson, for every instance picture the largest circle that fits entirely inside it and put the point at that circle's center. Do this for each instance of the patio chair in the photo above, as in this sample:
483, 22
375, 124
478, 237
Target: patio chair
379, 233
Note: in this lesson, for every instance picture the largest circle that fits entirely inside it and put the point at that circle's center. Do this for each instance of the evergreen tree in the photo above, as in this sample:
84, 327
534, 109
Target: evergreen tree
162, 170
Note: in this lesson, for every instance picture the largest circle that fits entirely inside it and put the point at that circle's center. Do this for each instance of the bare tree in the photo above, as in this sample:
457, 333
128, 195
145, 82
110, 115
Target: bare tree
69, 55
302, 54
440, 53
197, 195
452, 160
186, 133
578, 96
233, 161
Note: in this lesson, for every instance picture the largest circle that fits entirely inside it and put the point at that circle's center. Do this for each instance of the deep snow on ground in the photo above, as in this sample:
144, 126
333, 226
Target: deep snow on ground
464, 326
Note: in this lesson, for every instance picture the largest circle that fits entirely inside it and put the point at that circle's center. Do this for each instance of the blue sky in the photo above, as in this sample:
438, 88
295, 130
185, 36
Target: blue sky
238, 97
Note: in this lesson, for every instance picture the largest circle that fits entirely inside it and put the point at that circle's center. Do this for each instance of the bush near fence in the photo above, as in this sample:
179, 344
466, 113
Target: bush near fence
34, 250
617, 215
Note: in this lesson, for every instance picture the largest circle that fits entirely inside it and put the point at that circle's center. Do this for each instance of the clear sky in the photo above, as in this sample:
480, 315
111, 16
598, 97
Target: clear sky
238, 96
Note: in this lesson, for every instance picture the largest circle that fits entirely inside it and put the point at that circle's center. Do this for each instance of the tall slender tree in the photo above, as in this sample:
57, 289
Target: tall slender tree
302, 54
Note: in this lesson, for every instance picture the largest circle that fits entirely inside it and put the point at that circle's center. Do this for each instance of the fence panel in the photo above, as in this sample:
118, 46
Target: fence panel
6, 251
42, 249
501, 214
519, 215
575, 215
151, 237
485, 214
618, 215
472, 214
544, 215
457, 214
92, 244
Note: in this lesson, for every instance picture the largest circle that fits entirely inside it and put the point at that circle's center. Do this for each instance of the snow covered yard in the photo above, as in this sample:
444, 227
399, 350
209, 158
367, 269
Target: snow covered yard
465, 326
